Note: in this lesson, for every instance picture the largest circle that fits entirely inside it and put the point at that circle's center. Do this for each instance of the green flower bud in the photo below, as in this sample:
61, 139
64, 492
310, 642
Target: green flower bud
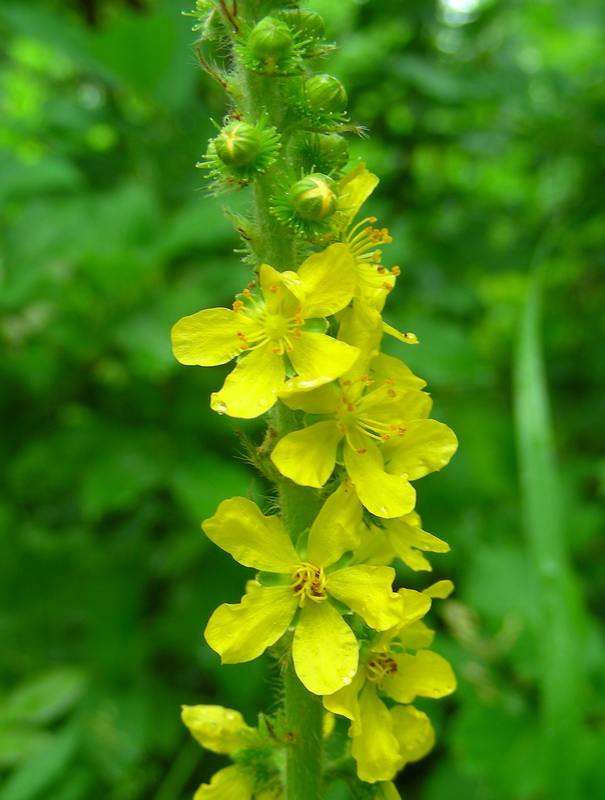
239, 144
324, 152
326, 93
270, 40
303, 21
314, 197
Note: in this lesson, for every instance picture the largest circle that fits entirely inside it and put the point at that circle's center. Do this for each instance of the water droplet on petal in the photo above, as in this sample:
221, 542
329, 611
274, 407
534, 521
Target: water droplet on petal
262, 402
346, 680
352, 673
384, 510
217, 405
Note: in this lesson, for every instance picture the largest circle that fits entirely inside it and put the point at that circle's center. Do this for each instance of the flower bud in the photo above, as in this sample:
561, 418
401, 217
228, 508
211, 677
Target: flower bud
303, 21
324, 152
326, 93
238, 144
270, 40
314, 197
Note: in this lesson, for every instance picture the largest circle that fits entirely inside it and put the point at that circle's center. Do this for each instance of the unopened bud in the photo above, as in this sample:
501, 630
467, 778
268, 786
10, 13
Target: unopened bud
314, 197
304, 21
270, 40
238, 144
326, 93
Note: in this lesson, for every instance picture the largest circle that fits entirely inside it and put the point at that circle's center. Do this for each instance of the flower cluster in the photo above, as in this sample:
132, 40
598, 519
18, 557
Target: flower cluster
306, 337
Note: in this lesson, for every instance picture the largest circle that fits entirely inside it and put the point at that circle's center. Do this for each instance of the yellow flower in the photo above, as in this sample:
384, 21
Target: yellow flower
270, 333
374, 281
305, 584
387, 440
223, 730
384, 739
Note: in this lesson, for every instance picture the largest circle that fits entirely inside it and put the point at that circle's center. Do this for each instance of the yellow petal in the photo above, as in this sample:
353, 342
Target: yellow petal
440, 590
355, 188
413, 731
426, 674
273, 288
253, 539
382, 494
308, 456
367, 591
385, 366
427, 446
335, 529
324, 650
219, 729
416, 636
251, 389
325, 399
346, 701
243, 631
208, 337
405, 535
231, 783
319, 358
328, 279
376, 749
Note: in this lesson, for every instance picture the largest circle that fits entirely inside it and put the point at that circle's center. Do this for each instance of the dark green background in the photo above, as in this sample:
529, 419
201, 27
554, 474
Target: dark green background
488, 133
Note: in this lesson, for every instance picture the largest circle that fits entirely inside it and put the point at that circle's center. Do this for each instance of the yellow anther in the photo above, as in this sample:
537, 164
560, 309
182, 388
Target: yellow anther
396, 271
296, 333
361, 450
273, 288
237, 304
391, 393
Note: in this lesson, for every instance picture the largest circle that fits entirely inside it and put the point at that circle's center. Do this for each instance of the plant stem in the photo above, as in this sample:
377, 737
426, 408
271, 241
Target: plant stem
275, 245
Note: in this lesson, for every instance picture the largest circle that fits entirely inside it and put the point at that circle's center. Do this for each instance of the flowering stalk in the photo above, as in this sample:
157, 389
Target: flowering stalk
348, 431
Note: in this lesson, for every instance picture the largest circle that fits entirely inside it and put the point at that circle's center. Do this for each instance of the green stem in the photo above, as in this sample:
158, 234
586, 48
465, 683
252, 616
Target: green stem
304, 715
273, 244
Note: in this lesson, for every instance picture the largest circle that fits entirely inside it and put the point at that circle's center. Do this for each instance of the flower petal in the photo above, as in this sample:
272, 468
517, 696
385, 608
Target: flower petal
231, 783
376, 748
367, 591
219, 729
209, 337
308, 456
324, 650
413, 731
328, 280
355, 188
243, 631
335, 529
251, 389
324, 399
319, 358
240, 528
426, 447
385, 366
426, 674
405, 535
346, 702
382, 494
440, 590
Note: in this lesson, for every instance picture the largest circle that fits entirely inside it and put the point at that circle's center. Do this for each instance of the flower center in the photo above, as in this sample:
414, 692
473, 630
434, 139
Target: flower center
379, 667
355, 411
309, 581
275, 328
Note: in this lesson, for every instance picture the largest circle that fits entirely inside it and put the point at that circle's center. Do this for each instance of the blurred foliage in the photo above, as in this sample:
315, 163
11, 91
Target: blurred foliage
487, 122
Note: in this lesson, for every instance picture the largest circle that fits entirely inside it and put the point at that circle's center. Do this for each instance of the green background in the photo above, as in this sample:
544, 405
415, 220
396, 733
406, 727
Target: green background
487, 124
